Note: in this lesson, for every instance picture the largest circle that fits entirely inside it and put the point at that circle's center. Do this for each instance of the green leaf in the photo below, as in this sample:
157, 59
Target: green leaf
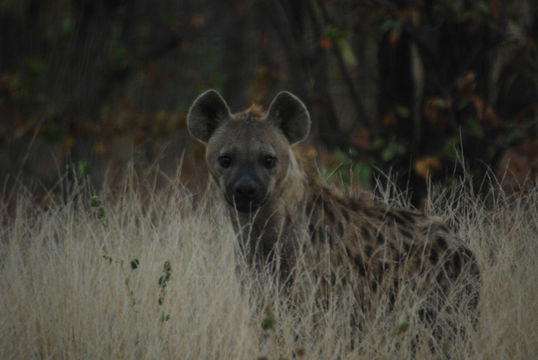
341, 156
269, 320
443, 104
483, 7
53, 132
401, 329
105, 110
451, 148
119, 54
144, 30
135, 263
377, 144
167, 267
509, 42
392, 150
402, 111
101, 213
347, 53
83, 169
363, 172
388, 24
67, 26
514, 136
95, 201
336, 34
35, 65
475, 128
170, 18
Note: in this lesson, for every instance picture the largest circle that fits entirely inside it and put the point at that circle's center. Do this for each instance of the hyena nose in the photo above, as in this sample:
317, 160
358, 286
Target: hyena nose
245, 188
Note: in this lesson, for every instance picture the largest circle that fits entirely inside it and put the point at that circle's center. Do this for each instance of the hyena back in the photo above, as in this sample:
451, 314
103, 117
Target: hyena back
285, 209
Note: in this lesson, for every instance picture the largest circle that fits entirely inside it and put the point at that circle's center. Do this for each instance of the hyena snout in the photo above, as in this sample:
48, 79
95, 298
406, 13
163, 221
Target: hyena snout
245, 189
246, 194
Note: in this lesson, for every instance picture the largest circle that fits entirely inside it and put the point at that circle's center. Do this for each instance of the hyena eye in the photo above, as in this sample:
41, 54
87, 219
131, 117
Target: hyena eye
269, 161
225, 161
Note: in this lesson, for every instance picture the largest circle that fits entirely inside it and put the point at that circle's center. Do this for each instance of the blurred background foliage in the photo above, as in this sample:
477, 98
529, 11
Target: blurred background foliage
407, 87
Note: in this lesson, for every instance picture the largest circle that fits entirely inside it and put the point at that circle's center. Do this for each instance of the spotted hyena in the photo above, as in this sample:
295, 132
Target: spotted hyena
286, 211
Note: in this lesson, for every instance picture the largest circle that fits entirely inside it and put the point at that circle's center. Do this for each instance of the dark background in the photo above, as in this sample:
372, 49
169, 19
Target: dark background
409, 87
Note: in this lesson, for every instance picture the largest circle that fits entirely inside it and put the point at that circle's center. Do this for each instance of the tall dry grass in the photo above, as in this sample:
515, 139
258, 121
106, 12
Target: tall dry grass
133, 273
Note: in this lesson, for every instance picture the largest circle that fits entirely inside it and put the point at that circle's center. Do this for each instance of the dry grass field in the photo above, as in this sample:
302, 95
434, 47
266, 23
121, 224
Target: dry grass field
133, 273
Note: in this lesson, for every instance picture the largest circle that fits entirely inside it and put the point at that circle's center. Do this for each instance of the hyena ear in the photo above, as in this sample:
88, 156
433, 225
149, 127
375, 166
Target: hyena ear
290, 115
206, 114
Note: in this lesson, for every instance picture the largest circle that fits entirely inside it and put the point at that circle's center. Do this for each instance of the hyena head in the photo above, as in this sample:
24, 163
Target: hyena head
248, 154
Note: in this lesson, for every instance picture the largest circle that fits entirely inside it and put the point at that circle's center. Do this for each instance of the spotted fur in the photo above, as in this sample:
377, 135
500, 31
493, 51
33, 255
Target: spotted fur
285, 212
